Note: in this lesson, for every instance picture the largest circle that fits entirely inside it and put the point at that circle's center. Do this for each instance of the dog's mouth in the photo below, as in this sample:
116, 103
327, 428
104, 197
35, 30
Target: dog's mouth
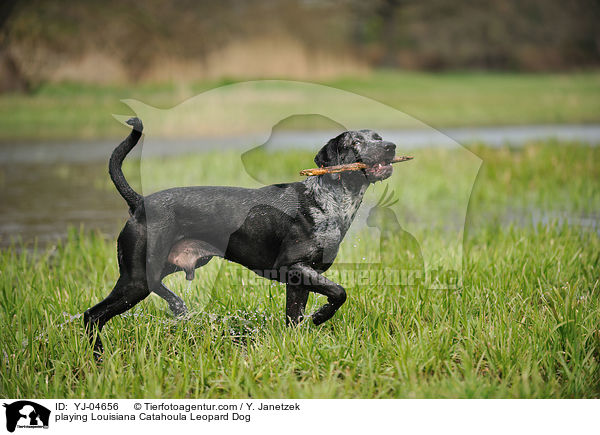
379, 171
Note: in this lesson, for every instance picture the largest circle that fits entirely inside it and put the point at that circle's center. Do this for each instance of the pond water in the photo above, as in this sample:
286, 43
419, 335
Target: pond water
45, 188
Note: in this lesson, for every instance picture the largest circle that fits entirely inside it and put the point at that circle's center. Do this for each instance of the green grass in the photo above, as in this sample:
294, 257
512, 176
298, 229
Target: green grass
525, 322
73, 111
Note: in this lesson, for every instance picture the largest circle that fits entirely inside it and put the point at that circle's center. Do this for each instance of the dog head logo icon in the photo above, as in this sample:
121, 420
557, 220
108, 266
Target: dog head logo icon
26, 414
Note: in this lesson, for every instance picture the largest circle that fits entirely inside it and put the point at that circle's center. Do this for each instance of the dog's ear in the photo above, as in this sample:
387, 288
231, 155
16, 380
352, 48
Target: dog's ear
324, 156
322, 159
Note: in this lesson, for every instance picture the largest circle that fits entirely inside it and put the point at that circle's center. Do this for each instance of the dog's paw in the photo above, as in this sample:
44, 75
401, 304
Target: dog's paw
179, 311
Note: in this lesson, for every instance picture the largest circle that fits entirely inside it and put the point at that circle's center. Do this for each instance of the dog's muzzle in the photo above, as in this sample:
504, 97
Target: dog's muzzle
379, 172
382, 168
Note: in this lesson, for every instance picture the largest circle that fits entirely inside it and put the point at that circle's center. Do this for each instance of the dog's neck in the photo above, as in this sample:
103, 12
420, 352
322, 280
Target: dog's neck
338, 196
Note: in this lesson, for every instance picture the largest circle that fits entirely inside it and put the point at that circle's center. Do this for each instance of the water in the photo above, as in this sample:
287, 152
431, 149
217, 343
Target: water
45, 188
43, 337
241, 325
95, 151
40, 201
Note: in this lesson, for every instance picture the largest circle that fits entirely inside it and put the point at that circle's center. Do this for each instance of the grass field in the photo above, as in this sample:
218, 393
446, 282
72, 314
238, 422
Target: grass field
72, 111
524, 323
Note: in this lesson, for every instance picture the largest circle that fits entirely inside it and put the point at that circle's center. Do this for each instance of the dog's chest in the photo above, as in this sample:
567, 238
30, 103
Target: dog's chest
333, 212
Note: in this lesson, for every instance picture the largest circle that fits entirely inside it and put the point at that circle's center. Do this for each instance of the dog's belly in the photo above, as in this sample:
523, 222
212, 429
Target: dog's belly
255, 244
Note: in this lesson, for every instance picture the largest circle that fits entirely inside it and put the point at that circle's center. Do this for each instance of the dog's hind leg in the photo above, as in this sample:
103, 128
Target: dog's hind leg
155, 275
125, 295
187, 255
176, 304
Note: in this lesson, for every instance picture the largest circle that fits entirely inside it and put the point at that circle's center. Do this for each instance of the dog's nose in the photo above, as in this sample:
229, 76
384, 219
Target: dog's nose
388, 146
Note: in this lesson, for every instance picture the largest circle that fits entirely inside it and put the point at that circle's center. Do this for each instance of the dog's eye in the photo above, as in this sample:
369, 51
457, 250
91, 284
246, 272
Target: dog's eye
356, 143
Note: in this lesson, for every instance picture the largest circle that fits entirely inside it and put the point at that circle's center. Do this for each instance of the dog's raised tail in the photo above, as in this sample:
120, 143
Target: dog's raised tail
132, 198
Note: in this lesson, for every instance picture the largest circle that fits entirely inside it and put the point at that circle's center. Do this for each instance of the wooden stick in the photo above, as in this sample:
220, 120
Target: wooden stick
347, 167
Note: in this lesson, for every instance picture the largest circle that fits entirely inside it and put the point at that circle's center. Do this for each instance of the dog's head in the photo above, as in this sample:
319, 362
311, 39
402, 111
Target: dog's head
365, 146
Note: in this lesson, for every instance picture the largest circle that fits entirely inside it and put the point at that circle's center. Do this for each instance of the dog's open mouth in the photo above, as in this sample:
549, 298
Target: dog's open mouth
379, 171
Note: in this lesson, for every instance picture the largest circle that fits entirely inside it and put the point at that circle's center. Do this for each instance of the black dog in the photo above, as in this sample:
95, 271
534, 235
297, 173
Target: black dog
286, 232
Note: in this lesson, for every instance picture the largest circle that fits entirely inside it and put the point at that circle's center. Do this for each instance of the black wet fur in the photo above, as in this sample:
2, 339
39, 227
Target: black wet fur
286, 232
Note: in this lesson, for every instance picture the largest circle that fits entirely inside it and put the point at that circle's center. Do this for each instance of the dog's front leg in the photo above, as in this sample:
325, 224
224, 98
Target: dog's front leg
295, 302
308, 279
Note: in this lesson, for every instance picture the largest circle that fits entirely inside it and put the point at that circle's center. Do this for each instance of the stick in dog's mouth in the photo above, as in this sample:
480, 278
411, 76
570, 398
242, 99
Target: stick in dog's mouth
347, 167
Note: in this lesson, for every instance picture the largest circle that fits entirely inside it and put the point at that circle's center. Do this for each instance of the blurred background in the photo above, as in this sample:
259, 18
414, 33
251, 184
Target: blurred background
493, 72
109, 42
